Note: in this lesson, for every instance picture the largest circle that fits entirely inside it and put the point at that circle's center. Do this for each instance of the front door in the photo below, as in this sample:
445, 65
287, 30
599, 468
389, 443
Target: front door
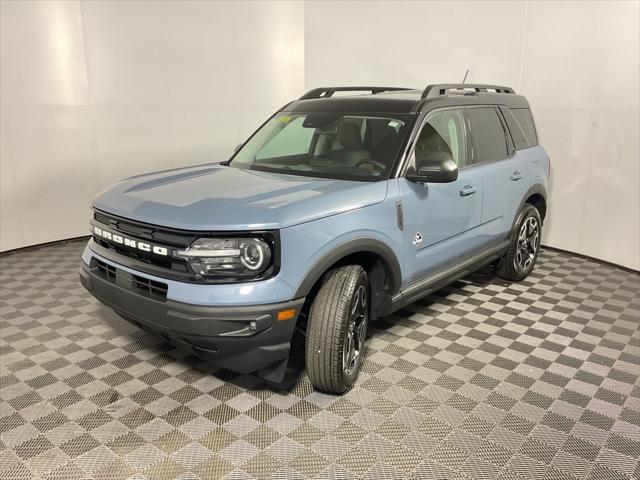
440, 219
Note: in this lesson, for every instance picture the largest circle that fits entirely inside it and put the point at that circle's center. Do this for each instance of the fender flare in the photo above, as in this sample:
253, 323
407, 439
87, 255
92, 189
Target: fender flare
357, 245
537, 188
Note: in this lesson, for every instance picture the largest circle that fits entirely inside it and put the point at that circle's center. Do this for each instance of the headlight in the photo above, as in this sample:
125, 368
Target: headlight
233, 257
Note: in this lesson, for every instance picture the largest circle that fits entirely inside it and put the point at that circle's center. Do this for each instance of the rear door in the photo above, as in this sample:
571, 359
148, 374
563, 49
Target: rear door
503, 172
441, 219
523, 135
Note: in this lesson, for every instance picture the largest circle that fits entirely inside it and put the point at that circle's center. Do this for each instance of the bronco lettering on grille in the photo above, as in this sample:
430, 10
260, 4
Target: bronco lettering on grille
128, 242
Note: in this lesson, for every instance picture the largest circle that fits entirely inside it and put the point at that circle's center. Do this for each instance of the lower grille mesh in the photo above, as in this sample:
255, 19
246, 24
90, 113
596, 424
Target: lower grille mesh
140, 285
106, 270
150, 287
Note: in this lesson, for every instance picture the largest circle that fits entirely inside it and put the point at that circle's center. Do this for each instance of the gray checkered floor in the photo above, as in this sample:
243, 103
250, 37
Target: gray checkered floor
485, 379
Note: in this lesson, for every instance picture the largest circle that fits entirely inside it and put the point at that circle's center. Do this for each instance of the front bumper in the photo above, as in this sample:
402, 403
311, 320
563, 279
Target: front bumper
240, 338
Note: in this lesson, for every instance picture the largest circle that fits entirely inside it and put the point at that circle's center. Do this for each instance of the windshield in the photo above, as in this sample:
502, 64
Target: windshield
326, 144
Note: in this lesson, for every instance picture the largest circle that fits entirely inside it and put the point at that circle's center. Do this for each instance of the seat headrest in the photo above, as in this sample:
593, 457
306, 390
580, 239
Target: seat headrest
349, 136
430, 144
430, 138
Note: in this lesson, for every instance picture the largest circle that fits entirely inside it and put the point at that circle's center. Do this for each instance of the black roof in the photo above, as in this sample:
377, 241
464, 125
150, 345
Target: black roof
404, 100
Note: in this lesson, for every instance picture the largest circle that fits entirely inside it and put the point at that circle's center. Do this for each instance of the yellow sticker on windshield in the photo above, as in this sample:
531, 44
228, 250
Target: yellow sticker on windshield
285, 119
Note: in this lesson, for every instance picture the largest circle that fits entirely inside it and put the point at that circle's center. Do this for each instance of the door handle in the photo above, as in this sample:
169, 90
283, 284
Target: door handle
517, 175
468, 190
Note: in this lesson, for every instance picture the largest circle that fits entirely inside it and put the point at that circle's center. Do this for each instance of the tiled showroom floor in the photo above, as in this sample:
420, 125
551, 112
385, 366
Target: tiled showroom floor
485, 379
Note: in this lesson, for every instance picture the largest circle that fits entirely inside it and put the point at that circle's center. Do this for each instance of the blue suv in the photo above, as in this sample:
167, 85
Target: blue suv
338, 210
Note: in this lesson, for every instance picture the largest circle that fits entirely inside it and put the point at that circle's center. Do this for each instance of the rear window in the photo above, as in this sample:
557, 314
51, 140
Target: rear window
489, 141
524, 118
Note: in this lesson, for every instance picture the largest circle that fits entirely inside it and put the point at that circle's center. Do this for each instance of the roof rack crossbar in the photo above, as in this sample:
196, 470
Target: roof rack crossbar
441, 89
326, 92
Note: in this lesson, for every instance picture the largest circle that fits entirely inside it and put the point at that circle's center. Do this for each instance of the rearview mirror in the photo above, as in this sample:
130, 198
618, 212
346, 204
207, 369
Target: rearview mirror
434, 170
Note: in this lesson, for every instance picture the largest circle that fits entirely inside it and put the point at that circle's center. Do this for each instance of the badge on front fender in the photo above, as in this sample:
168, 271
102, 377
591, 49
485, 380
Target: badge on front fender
417, 239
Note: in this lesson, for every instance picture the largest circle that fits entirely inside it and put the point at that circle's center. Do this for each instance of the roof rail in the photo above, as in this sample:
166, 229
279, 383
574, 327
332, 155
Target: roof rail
326, 92
441, 89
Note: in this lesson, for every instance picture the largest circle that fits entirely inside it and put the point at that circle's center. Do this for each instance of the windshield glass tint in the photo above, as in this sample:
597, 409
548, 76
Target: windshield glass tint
326, 144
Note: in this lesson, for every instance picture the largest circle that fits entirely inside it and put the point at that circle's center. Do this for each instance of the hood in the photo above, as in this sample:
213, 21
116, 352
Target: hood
214, 197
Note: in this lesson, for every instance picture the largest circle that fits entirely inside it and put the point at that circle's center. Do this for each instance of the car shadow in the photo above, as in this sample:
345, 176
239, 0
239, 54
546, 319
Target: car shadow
294, 380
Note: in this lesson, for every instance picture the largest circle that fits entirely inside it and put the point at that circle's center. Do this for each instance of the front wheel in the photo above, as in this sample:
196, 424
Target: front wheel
524, 246
337, 329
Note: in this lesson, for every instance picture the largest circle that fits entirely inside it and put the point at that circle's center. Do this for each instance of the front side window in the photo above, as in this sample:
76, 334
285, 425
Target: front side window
326, 145
441, 136
489, 140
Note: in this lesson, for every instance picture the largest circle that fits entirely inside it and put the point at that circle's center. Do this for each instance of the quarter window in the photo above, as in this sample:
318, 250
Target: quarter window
487, 133
523, 115
520, 140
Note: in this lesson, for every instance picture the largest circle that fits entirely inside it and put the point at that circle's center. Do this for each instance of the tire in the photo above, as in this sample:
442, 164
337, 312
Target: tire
333, 327
524, 247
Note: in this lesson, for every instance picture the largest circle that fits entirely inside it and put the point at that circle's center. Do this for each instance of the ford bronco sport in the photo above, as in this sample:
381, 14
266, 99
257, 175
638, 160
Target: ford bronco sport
339, 209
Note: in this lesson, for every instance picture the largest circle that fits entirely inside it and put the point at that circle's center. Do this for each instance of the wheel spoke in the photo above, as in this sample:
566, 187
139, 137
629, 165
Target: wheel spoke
354, 358
356, 330
356, 303
534, 240
360, 330
523, 234
527, 245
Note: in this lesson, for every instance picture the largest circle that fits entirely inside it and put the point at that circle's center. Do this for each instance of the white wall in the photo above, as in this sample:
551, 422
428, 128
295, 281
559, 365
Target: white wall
95, 91
92, 92
584, 88
577, 62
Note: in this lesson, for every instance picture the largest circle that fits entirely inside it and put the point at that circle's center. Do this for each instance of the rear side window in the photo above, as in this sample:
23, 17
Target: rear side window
488, 138
524, 118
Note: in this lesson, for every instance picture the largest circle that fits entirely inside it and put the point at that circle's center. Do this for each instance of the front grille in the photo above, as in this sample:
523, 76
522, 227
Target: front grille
168, 263
149, 287
169, 239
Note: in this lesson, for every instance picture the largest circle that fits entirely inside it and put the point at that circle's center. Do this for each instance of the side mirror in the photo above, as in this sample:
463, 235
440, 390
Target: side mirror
441, 170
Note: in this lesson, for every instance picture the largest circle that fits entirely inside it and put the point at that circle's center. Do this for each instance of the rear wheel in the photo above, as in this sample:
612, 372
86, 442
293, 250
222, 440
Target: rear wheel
337, 329
524, 246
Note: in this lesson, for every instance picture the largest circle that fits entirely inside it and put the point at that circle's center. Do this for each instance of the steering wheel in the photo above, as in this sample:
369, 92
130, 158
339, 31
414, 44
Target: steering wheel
380, 167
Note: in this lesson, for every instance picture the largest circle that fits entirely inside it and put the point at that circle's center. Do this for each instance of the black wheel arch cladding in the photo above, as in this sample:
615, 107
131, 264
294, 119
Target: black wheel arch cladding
368, 248
536, 195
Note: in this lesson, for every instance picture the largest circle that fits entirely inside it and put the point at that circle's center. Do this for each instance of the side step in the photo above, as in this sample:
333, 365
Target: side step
444, 277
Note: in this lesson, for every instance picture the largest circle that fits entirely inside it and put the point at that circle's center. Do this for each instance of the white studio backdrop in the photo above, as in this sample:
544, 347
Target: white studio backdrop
92, 92
96, 91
